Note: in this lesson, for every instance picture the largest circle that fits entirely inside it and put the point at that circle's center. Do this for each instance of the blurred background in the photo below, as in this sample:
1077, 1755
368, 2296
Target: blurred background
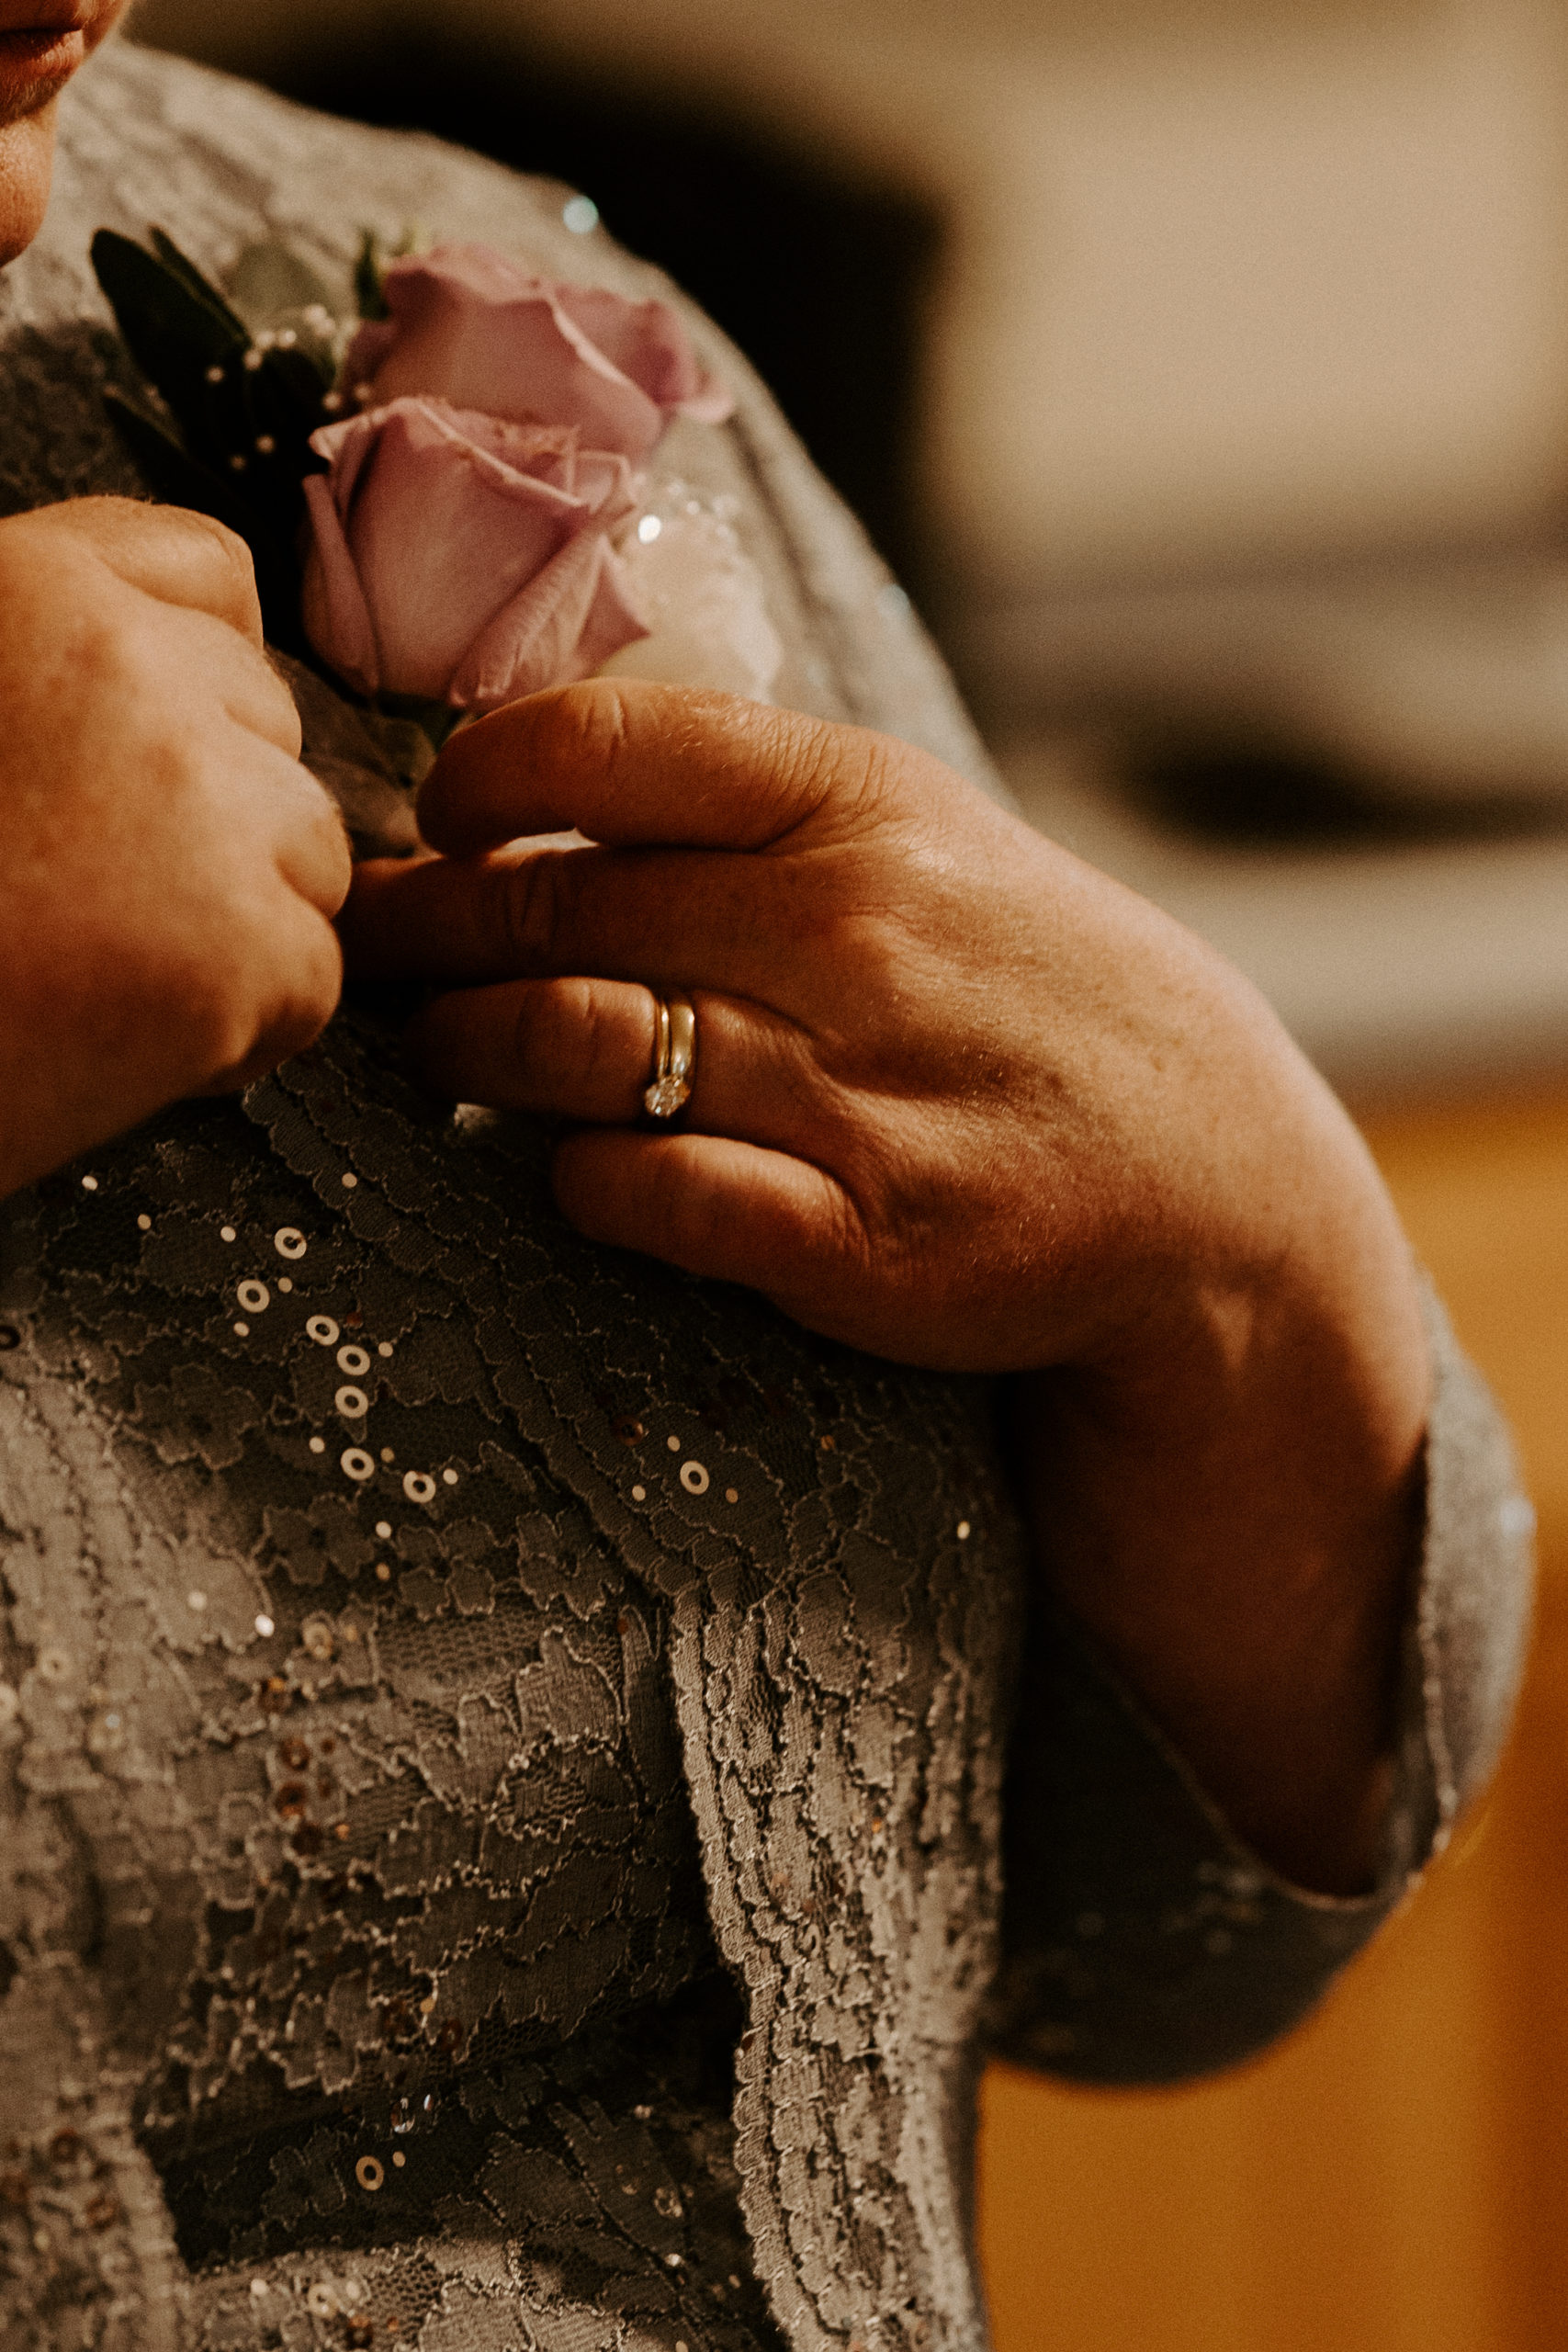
1203, 367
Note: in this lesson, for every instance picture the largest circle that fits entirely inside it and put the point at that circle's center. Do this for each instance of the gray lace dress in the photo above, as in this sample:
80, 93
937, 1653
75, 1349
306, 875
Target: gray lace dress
503, 1748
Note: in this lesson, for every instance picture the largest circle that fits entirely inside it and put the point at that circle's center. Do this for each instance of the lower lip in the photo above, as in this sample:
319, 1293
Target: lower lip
30, 59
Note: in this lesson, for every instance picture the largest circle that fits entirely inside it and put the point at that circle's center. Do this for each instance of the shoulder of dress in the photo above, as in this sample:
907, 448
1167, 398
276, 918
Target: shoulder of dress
149, 138
216, 159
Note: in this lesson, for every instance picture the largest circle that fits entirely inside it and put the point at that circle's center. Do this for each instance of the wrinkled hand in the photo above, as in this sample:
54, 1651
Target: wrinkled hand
964, 1102
959, 1098
171, 870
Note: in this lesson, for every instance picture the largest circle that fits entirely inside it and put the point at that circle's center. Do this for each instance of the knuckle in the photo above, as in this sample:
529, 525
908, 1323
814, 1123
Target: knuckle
269, 993
846, 1218
105, 511
845, 1234
218, 1010
854, 769
232, 592
298, 1015
274, 695
222, 548
228, 549
599, 1038
586, 725
211, 563
315, 982
544, 1020
822, 769
570, 1029
107, 647
331, 853
101, 517
527, 912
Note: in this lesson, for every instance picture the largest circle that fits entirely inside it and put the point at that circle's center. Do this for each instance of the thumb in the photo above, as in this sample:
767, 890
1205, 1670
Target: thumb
630, 762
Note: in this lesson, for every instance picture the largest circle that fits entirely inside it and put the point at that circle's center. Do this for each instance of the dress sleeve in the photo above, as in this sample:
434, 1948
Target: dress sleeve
1143, 1942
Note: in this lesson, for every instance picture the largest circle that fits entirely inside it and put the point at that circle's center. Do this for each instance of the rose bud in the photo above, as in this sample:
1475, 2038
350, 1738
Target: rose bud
468, 326
455, 556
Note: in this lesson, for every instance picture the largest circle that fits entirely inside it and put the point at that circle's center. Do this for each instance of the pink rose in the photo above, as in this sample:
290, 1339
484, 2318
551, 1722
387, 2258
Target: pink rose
455, 557
471, 327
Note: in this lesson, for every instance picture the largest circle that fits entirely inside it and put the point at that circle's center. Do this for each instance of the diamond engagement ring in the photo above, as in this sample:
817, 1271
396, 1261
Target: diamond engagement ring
674, 1056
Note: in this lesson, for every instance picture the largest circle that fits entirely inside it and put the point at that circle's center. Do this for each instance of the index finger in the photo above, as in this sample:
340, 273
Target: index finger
630, 762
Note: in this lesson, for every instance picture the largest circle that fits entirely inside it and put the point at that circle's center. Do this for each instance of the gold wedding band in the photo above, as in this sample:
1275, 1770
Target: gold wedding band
674, 1056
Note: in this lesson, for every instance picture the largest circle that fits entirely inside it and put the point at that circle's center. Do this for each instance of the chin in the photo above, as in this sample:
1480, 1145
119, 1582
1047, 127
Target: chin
26, 157
37, 60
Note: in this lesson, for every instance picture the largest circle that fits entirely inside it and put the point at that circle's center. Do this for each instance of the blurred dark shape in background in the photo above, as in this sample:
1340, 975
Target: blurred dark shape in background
1253, 792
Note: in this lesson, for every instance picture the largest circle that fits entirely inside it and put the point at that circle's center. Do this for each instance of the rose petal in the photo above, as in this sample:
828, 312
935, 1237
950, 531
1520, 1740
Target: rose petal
332, 606
646, 341
558, 629
439, 531
481, 335
445, 544
615, 618
713, 402
607, 485
345, 447
450, 557
545, 452
373, 339
470, 326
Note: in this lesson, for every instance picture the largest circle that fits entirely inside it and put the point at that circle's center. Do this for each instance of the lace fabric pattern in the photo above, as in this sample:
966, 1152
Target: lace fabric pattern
396, 1581
670, 1672
502, 1745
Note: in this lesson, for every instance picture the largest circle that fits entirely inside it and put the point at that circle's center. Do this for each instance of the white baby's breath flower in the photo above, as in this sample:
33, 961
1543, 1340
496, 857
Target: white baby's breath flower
703, 602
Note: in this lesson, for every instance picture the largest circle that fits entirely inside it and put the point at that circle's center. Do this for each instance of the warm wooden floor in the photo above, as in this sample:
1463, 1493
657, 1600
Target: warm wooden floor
1395, 2179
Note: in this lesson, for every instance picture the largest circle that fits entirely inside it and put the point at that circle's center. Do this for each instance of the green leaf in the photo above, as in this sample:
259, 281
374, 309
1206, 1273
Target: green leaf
230, 398
370, 270
174, 332
201, 288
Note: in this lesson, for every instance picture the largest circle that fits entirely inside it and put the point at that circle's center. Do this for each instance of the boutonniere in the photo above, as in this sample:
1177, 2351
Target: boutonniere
443, 482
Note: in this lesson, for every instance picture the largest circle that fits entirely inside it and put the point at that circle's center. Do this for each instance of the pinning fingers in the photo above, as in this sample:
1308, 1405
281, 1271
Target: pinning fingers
627, 761
542, 906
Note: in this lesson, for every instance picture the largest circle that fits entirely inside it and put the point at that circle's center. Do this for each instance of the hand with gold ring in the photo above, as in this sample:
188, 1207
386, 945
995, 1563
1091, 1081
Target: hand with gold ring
961, 1100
